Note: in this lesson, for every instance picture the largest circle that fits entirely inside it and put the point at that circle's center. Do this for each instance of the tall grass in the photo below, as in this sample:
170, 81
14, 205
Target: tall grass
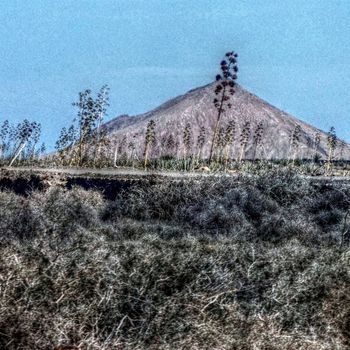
217, 263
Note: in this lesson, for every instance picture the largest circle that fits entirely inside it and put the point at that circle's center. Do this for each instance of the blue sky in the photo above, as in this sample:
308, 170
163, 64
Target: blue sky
295, 54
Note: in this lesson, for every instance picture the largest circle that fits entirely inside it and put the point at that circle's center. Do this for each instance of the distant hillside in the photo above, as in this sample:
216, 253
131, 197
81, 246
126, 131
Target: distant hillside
196, 107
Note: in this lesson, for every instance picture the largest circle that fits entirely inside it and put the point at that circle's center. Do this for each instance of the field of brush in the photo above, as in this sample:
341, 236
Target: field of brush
252, 262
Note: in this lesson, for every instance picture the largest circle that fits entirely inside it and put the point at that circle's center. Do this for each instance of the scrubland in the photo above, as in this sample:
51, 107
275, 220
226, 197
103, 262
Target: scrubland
255, 262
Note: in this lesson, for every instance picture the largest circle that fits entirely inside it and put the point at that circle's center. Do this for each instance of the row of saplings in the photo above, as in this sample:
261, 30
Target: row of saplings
86, 142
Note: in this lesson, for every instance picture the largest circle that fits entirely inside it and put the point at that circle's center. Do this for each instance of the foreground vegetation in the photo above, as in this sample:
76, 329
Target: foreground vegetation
262, 262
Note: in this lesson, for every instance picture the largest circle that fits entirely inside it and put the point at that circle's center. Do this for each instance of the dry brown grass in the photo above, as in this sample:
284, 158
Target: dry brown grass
210, 264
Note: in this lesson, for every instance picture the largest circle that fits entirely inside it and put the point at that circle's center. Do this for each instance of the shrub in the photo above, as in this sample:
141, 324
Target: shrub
67, 211
216, 263
18, 218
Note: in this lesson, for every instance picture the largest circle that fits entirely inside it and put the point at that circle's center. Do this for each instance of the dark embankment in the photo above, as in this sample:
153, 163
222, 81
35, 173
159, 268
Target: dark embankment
25, 183
259, 262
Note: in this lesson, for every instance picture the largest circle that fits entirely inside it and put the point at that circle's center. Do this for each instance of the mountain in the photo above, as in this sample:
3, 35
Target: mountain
196, 107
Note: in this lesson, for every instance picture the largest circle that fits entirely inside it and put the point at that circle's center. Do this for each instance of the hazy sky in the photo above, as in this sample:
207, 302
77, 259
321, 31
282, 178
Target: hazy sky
293, 53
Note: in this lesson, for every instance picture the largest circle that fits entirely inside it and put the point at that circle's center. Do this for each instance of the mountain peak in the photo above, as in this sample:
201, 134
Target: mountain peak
196, 108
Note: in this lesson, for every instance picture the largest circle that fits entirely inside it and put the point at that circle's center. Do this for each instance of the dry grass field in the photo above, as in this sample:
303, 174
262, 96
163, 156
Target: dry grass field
254, 262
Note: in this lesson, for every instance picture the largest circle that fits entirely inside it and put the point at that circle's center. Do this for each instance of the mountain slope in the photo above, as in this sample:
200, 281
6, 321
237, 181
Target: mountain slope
196, 108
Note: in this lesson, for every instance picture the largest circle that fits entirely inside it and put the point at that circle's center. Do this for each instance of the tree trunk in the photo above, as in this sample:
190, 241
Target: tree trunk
146, 157
216, 129
116, 156
254, 152
98, 139
329, 163
17, 153
242, 153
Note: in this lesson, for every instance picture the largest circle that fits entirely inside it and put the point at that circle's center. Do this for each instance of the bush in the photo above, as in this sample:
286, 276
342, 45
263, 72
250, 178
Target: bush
18, 218
218, 263
67, 211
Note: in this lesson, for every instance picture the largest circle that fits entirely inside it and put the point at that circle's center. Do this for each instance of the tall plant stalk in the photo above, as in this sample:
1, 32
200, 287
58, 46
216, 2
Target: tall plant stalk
294, 142
332, 144
149, 139
224, 90
245, 135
